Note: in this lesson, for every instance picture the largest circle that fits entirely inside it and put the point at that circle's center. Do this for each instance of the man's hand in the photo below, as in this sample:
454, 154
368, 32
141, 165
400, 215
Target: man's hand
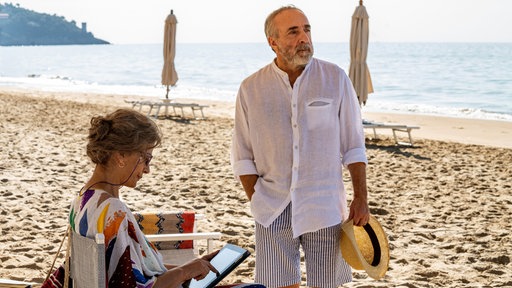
248, 182
359, 211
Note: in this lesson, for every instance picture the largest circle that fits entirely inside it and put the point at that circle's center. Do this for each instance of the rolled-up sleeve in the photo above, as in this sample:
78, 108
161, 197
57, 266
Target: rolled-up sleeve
354, 155
352, 133
244, 167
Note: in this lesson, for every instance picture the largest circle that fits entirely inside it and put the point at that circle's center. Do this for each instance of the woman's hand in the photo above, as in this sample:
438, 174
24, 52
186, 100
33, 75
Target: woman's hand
201, 267
209, 257
195, 269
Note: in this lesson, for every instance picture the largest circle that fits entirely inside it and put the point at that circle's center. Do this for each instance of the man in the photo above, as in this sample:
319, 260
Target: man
297, 123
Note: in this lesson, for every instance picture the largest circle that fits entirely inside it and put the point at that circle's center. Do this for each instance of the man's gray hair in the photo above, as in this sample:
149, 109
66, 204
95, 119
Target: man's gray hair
270, 30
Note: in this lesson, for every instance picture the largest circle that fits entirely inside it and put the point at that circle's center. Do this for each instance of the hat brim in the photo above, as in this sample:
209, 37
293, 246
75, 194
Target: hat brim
366, 247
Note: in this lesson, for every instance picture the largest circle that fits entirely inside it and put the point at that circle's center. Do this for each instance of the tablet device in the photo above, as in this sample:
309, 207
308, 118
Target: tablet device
228, 258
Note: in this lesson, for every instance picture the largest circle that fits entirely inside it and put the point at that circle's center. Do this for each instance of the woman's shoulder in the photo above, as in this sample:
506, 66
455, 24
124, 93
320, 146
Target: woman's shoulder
97, 199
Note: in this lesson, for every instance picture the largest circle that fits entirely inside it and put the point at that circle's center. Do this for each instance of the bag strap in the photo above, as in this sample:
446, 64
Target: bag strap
67, 234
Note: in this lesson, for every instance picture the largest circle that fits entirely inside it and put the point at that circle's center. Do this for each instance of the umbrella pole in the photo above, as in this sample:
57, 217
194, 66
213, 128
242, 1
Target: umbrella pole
166, 101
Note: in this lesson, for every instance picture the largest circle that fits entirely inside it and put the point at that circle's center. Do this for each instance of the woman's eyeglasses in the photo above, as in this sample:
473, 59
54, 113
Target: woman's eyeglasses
146, 158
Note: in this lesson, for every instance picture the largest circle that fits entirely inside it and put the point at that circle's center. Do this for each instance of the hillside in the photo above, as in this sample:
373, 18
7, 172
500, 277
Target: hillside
19, 26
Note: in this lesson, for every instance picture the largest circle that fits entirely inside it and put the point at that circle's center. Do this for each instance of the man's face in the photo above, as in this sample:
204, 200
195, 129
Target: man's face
293, 45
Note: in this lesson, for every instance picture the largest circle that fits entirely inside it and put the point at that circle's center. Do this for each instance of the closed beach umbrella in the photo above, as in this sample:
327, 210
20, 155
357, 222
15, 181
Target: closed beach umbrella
358, 71
169, 75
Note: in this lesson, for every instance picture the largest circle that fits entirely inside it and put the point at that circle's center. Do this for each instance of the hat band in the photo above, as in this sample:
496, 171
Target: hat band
375, 243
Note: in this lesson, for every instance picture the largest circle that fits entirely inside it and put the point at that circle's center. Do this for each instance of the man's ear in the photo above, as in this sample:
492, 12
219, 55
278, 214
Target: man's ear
270, 40
272, 43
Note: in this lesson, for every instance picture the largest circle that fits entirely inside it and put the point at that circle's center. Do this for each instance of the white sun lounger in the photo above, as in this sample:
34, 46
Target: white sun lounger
158, 105
394, 127
195, 107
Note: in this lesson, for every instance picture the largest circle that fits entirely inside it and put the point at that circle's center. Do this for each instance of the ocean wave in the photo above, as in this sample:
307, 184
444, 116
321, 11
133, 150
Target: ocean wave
445, 79
464, 112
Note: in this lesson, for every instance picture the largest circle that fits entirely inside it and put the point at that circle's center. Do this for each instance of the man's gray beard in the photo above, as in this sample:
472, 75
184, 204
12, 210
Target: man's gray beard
301, 60
297, 60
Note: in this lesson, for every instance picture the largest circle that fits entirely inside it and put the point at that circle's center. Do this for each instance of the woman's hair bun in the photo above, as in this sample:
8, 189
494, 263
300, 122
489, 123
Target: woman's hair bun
100, 127
124, 130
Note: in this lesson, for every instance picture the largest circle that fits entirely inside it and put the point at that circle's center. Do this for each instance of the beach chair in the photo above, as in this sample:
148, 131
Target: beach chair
175, 234
8, 283
87, 266
394, 128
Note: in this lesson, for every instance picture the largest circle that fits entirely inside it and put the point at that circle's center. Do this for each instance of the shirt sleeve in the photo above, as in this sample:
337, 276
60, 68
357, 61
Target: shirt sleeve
242, 157
352, 138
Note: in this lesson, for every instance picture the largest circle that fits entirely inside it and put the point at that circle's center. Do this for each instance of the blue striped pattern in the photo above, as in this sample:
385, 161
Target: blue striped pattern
278, 255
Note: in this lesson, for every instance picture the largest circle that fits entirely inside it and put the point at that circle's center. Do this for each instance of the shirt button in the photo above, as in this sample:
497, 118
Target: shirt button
296, 147
294, 125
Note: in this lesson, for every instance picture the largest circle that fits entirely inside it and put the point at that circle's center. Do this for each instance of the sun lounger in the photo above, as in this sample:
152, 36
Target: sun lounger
157, 105
195, 107
140, 104
394, 127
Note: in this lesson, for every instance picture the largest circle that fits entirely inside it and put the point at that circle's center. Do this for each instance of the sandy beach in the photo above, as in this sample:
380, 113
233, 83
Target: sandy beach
446, 202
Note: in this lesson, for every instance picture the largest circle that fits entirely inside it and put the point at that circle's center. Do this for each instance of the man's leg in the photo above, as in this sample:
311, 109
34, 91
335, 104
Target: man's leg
325, 266
277, 253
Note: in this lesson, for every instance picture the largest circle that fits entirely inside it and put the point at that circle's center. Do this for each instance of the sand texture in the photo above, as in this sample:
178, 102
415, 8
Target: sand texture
446, 206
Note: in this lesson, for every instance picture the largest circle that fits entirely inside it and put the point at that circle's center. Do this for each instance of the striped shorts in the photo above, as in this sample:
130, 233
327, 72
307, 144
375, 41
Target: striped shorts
278, 255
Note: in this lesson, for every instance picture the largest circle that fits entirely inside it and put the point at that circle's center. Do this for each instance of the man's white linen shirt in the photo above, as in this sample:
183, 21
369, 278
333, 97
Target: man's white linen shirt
296, 139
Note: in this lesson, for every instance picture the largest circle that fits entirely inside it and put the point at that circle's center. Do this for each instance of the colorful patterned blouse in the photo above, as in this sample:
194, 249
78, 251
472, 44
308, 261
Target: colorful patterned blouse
131, 260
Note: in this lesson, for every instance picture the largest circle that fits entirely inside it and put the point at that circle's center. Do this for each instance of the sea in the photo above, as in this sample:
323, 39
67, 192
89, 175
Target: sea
463, 80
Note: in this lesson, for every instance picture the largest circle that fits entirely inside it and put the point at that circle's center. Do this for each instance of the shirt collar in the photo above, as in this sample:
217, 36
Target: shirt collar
282, 73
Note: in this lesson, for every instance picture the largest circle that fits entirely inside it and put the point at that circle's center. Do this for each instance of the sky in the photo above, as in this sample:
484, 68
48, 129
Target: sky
238, 21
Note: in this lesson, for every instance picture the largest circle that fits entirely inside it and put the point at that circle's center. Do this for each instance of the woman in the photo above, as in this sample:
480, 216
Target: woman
120, 144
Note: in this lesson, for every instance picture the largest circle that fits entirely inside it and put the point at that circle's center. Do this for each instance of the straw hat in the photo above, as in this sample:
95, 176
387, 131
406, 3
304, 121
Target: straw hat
366, 247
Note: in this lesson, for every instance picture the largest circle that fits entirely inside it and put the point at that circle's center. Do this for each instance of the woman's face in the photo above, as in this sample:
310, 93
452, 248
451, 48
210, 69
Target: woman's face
138, 162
